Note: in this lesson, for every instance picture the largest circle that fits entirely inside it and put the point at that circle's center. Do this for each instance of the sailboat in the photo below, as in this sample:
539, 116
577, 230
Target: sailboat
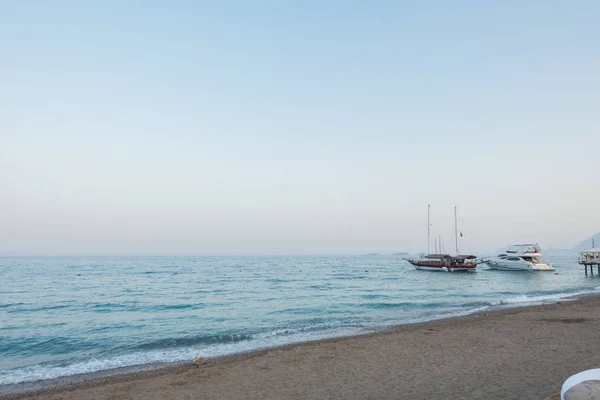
444, 262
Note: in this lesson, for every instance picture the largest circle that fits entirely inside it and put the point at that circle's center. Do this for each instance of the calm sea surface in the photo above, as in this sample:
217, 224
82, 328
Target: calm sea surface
66, 316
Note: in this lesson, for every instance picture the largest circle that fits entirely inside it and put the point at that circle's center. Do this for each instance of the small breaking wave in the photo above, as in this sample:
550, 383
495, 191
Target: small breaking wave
541, 298
175, 350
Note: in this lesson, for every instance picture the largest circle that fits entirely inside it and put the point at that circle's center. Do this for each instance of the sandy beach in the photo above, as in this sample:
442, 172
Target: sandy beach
523, 353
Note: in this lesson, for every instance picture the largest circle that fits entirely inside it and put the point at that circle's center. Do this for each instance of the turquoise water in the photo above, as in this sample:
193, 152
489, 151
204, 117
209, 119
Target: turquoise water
66, 316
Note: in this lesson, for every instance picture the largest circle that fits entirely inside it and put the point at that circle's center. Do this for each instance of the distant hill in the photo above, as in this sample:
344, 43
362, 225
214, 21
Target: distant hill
587, 243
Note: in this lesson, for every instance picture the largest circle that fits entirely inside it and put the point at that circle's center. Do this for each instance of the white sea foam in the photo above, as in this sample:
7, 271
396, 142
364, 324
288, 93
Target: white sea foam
523, 299
48, 371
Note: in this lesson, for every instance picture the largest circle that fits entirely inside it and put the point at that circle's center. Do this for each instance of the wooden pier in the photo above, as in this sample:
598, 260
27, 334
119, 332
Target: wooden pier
590, 258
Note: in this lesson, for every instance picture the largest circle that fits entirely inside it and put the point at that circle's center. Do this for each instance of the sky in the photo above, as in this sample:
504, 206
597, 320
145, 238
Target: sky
296, 127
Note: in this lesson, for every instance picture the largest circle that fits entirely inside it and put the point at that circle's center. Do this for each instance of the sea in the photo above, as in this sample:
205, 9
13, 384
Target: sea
73, 317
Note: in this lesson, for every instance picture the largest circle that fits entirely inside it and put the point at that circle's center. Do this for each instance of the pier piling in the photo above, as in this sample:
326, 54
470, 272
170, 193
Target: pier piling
590, 258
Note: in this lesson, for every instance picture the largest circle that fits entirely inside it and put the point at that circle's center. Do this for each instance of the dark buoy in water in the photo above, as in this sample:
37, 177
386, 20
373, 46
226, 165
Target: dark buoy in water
78, 274
175, 273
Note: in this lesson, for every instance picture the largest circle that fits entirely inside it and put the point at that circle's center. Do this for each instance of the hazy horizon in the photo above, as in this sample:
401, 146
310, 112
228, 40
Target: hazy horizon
253, 128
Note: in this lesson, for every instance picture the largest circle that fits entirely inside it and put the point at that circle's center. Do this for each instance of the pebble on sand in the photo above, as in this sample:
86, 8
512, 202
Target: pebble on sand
199, 361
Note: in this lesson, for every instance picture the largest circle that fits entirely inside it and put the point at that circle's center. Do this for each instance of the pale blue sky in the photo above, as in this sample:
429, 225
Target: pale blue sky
296, 127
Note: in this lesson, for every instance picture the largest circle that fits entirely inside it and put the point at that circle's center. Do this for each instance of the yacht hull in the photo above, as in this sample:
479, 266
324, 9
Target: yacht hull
434, 269
423, 265
519, 266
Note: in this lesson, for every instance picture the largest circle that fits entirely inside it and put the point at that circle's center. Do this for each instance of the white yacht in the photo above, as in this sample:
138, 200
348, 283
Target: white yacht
520, 257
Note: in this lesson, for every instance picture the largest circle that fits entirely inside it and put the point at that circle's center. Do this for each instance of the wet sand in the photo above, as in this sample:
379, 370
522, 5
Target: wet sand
523, 353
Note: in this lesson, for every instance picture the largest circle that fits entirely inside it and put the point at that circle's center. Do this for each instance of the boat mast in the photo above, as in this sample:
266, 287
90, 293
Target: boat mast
455, 230
428, 226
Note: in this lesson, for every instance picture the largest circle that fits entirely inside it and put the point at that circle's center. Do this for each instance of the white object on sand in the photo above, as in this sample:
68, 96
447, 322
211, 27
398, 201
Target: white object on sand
588, 375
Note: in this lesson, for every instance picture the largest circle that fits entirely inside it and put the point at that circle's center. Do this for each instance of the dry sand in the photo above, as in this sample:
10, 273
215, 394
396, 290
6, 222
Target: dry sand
523, 353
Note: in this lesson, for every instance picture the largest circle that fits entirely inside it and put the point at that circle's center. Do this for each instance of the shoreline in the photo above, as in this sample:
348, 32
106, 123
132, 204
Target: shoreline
142, 370
87, 382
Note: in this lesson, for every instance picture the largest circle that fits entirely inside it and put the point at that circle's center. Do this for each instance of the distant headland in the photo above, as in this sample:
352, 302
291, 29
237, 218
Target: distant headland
583, 245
